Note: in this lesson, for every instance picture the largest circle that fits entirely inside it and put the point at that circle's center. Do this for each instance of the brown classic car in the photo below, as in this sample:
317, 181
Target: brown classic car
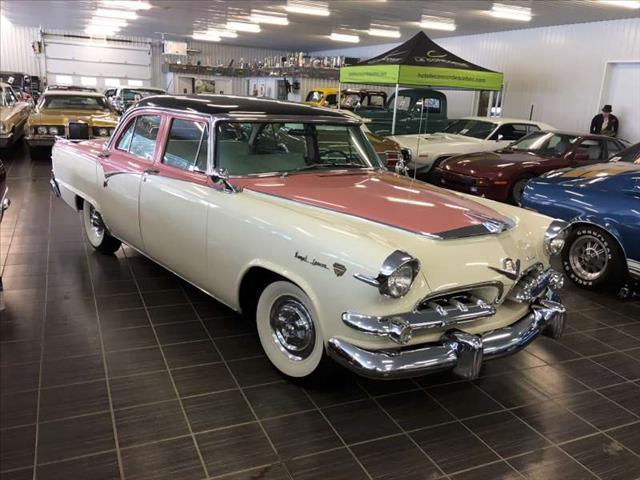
502, 175
13, 116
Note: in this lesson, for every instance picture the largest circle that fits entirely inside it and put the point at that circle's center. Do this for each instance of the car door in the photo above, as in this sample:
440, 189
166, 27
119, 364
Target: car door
174, 199
130, 158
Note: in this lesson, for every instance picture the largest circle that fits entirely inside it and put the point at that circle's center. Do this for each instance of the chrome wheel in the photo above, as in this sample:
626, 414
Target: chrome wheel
588, 257
95, 227
292, 328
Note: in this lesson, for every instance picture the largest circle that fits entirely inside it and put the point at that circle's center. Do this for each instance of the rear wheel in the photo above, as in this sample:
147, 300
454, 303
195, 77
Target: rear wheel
592, 259
97, 232
288, 329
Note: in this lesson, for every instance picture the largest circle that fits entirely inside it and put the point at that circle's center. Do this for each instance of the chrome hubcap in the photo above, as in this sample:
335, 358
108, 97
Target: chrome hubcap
95, 223
588, 257
292, 328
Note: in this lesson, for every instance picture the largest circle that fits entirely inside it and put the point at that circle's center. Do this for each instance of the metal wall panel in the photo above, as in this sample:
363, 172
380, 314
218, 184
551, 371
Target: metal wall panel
559, 70
16, 54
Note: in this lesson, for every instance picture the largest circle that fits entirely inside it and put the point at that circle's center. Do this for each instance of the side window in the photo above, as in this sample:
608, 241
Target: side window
143, 143
593, 148
613, 148
125, 140
532, 128
187, 146
510, 132
332, 100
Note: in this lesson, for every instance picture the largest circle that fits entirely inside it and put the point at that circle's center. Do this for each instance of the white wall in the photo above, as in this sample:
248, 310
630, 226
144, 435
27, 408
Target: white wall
16, 54
558, 69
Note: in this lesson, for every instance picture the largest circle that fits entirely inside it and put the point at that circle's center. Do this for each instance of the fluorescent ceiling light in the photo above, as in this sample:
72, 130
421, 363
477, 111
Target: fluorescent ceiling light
123, 14
222, 33
244, 27
521, 14
308, 8
343, 37
128, 4
259, 16
383, 31
633, 4
438, 23
106, 21
205, 36
101, 30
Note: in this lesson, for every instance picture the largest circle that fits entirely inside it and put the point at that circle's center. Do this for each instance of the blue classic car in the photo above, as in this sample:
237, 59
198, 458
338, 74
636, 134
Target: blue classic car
601, 203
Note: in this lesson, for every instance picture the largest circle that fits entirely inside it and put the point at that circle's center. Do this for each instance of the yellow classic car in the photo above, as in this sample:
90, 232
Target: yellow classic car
70, 114
322, 97
13, 116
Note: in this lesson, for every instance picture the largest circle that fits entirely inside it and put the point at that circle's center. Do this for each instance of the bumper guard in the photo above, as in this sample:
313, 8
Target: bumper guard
457, 350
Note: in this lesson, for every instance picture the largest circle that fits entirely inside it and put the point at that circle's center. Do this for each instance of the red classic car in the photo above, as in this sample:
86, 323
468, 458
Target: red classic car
502, 175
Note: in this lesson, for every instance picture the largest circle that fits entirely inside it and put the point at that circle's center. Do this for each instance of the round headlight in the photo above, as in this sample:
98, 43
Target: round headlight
53, 130
103, 132
42, 130
399, 282
555, 236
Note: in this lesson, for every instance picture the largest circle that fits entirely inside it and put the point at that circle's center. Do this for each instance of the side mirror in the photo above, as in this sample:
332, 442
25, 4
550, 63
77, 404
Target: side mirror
500, 137
221, 175
401, 167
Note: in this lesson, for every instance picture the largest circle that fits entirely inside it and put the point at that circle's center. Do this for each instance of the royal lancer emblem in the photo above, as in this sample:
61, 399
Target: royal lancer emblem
510, 268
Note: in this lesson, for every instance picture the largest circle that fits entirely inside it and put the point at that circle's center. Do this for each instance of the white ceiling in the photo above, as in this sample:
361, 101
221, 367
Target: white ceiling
180, 18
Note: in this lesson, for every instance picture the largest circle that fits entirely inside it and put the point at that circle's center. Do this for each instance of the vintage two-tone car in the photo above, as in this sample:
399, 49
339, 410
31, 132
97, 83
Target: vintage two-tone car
71, 114
466, 135
502, 175
13, 116
4, 205
284, 212
124, 98
601, 204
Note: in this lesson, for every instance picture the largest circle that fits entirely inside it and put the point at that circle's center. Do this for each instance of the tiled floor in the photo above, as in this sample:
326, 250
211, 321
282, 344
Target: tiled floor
114, 368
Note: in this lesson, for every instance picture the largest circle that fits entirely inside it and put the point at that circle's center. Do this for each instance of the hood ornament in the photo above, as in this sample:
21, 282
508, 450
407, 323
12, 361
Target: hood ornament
510, 268
492, 225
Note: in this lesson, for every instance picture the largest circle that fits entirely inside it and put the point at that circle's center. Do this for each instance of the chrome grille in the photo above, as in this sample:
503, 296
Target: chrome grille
449, 309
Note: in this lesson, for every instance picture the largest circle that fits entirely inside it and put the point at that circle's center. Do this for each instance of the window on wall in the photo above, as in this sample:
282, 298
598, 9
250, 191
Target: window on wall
135, 83
111, 82
64, 79
88, 81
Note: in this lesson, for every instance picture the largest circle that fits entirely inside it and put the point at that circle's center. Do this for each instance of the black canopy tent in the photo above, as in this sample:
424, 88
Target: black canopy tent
421, 62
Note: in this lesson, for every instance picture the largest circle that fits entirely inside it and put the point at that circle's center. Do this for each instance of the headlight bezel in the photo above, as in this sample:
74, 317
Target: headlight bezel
555, 237
398, 262
53, 130
41, 130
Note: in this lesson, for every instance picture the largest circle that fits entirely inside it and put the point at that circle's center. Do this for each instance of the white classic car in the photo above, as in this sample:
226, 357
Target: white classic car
466, 135
284, 212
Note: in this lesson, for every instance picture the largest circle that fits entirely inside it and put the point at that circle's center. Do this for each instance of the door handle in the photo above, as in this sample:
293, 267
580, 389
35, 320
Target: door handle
151, 171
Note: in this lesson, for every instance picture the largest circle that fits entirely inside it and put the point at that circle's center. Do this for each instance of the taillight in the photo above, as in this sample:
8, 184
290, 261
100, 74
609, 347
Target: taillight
392, 159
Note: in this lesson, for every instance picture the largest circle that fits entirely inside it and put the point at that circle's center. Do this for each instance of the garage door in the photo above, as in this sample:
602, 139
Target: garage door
97, 63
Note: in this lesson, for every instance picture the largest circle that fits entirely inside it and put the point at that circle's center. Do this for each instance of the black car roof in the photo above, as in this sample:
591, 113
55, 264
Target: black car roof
230, 104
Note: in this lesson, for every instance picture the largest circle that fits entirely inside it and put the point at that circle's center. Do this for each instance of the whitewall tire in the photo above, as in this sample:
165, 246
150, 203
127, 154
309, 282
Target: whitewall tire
288, 329
96, 232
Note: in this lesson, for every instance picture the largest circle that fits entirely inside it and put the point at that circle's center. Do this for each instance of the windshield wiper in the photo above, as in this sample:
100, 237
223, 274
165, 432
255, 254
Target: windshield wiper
313, 166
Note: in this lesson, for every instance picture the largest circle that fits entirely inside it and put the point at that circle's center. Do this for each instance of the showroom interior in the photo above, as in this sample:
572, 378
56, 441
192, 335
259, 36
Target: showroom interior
320, 239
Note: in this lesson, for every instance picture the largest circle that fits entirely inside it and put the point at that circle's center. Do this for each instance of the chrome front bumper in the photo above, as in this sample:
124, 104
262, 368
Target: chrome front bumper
457, 350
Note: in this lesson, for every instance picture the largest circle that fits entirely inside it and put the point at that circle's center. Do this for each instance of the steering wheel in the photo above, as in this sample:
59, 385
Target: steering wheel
338, 152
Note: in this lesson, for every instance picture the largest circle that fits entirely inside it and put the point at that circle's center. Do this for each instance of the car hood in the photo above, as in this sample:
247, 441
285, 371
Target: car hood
63, 117
7, 112
435, 140
589, 175
491, 162
386, 198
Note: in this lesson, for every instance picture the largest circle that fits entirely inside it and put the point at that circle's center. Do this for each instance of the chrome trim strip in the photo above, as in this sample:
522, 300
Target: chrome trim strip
460, 351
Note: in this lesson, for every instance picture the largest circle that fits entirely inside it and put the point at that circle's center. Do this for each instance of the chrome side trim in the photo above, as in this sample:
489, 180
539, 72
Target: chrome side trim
460, 351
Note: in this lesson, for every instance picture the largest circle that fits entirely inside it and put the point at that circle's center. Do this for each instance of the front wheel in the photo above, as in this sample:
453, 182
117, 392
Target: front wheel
97, 232
288, 329
592, 259
517, 189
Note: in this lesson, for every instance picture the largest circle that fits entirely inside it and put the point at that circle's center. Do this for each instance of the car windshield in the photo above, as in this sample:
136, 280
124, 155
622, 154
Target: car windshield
350, 99
471, 128
129, 95
314, 96
247, 148
543, 143
74, 102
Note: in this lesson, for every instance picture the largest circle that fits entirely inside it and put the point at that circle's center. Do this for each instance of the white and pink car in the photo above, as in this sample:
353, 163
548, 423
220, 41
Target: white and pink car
284, 212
